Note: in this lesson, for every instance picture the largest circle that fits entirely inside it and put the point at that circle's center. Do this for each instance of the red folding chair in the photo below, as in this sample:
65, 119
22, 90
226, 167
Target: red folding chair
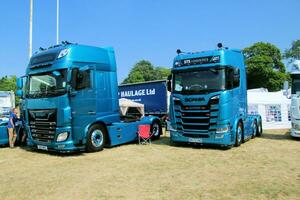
144, 134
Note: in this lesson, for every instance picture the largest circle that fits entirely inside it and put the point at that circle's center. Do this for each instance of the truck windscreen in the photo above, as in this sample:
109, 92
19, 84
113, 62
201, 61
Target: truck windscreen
47, 84
5, 102
295, 86
200, 81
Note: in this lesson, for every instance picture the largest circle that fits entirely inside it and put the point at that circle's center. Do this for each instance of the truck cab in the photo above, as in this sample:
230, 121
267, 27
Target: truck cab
71, 100
208, 103
7, 102
295, 104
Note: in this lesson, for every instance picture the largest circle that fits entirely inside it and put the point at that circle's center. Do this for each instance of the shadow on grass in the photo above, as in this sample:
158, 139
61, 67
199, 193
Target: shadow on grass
164, 140
54, 153
284, 136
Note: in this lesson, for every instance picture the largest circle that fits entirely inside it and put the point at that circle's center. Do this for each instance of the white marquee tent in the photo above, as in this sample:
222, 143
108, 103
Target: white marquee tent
125, 104
274, 107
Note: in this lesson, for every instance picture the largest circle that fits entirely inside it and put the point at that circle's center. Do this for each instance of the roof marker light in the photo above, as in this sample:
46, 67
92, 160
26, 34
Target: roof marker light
63, 53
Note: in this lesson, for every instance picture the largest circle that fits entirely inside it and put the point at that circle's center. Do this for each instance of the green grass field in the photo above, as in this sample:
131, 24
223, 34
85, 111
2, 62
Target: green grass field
262, 168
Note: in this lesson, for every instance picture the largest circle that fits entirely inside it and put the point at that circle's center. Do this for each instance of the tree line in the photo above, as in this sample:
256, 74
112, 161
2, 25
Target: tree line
264, 68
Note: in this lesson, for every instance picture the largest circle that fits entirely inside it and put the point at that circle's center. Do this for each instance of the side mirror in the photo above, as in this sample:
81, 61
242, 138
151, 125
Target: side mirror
19, 93
285, 85
19, 83
169, 83
286, 89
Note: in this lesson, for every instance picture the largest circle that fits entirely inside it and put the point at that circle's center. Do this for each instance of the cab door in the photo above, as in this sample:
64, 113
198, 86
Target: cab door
82, 101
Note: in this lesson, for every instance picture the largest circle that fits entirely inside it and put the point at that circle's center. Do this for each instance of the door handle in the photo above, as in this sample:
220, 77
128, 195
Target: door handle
91, 112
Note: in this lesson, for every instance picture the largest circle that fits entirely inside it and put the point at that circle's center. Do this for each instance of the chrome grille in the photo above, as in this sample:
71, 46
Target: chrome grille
42, 124
196, 121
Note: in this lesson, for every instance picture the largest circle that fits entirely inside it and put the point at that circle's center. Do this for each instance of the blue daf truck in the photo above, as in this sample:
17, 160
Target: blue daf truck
71, 100
208, 103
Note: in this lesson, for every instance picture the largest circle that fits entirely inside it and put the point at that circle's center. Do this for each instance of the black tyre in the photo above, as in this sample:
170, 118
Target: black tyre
259, 129
239, 135
226, 147
156, 130
255, 129
96, 138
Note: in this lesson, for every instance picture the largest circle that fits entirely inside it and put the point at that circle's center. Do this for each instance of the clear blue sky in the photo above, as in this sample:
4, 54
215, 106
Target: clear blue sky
144, 29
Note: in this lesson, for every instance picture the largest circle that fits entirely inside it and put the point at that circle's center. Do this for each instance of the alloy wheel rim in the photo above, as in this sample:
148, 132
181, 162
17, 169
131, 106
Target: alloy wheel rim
239, 134
155, 129
254, 129
97, 138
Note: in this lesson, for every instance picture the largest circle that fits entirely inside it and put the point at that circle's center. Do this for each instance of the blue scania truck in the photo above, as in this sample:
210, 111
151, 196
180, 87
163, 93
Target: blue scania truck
71, 100
208, 103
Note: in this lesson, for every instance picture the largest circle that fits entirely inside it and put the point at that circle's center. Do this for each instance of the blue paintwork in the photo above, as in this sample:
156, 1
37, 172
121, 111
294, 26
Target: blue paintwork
231, 109
3, 133
152, 94
78, 110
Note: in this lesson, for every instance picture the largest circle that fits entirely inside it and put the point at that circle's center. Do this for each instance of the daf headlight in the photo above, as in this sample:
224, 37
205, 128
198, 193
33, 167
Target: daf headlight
62, 136
176, 99
63, 53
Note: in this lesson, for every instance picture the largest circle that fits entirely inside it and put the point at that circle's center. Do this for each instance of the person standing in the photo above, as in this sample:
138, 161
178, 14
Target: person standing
12, 135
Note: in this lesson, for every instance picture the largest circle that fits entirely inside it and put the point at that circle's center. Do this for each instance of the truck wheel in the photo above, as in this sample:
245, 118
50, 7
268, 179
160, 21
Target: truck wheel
259, 130
255, 129
96, 138
239, 135
155, 130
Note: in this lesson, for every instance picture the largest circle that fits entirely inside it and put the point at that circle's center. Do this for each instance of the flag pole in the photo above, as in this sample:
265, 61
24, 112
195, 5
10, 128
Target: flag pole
57, 21
30, 28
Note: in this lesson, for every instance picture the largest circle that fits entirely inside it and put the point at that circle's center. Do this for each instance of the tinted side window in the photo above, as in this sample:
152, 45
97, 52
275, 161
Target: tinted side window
229, 78
232, 78
83, 79
236, 77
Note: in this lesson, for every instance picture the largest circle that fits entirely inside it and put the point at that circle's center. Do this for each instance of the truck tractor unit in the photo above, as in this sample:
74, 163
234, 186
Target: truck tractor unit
295, 104
208, 103
71, 100
7, 102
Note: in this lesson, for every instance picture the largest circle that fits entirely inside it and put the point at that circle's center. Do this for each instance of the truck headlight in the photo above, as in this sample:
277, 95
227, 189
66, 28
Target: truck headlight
215, 99
224, 129
62, 136
176, 99
295, 126
63, 53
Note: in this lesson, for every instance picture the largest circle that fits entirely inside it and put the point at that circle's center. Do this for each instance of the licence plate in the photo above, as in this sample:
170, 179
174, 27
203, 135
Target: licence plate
198, 140
42, 147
